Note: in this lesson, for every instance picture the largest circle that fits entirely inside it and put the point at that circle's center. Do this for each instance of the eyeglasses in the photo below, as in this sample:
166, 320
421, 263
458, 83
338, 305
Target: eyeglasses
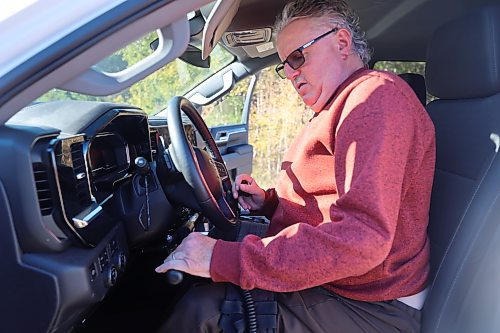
296, 58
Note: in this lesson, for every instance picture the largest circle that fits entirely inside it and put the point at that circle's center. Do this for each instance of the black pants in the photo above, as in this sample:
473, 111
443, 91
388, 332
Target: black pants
311, 310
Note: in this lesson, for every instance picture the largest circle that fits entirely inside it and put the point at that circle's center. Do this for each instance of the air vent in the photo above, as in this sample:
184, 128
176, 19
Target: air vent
80, 172
153, 139
43, 188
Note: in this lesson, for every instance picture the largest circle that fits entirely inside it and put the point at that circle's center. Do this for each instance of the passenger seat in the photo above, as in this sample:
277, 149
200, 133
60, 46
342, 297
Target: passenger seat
463, 71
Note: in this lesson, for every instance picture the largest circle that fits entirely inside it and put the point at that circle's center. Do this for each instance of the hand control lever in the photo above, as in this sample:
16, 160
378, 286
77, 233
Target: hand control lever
242, 193
142, 165
174, 276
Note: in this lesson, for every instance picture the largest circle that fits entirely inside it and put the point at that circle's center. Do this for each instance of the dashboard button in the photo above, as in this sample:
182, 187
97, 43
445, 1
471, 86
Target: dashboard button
113, 245
93, 272
111, 276
103, 260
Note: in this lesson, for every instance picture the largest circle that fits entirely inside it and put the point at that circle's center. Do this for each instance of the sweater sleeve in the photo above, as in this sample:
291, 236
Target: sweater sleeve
371, 146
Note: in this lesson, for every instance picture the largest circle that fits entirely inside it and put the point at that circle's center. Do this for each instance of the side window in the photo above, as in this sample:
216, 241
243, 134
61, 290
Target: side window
153, 92
229, 109
277, 114
403, 67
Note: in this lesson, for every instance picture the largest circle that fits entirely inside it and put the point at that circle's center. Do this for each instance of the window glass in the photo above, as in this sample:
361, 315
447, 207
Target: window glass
128, 56
400, 67
277, 114
228, 110
153, 92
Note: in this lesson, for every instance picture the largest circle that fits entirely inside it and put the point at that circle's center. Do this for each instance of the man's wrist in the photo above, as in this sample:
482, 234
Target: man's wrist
269, 206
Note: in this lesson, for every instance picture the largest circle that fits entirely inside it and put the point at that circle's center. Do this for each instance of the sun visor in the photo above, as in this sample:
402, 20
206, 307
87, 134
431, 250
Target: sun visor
219, 19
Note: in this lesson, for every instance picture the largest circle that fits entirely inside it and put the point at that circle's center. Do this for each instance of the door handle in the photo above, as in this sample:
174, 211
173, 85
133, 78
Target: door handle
200, 99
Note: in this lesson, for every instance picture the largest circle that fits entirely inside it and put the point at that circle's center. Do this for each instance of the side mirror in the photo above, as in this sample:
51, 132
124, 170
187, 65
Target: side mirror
192, 55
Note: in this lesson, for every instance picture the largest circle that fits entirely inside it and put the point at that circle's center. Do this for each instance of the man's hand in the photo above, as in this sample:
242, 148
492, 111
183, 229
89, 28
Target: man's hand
247, 184
192, 256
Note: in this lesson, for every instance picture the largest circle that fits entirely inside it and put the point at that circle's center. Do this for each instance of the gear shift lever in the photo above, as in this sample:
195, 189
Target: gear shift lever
142, 165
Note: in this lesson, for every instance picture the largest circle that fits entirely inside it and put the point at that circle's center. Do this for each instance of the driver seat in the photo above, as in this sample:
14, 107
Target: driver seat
464, 226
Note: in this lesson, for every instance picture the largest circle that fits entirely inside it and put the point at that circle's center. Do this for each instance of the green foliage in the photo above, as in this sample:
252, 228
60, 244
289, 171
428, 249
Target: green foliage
225, 112
399, 67
277, 114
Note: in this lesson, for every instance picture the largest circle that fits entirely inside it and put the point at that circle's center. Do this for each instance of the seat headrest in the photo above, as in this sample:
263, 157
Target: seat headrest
463, 57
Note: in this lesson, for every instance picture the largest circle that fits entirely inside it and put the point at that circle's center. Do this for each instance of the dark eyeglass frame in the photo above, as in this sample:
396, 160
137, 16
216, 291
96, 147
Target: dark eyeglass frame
280, 68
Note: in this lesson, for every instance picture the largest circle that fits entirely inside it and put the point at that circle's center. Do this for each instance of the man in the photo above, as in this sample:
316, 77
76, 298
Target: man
346, 249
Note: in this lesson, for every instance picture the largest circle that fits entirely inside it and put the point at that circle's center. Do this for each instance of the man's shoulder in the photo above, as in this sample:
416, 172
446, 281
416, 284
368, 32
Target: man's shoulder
370, 83
378, 93
378, 77
386, 83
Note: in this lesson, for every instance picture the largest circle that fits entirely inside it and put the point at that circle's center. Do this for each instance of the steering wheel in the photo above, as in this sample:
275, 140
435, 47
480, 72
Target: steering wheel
204, 171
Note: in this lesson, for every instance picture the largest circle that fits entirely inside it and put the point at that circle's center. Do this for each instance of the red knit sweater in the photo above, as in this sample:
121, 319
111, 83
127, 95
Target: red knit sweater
353, 193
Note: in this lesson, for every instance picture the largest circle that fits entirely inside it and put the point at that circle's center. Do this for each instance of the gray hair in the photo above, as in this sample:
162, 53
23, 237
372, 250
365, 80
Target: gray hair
339, 14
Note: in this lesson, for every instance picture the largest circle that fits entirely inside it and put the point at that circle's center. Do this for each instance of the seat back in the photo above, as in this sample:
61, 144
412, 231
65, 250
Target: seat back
463, 71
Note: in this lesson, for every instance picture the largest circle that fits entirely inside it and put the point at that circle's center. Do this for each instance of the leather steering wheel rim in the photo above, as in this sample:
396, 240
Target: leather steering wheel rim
215, 204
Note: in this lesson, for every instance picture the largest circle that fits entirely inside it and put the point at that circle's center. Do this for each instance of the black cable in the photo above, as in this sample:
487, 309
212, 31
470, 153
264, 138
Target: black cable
250, 311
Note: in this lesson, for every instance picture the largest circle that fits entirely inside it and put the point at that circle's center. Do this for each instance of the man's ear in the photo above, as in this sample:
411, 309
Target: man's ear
344, 41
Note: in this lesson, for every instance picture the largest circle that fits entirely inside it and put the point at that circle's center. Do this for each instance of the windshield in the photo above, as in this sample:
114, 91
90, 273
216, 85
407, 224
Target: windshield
152, 93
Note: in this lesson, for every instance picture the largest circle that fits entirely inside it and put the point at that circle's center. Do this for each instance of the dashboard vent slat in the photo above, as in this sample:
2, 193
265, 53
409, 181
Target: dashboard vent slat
43, 188
81, 183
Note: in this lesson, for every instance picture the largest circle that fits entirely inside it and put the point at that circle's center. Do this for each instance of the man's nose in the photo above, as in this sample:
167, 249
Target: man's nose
290, 73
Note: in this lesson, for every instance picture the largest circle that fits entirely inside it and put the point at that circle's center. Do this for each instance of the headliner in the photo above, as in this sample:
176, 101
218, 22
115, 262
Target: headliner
396, 29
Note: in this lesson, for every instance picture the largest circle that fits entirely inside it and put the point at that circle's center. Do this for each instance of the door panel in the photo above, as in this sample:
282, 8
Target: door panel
227, 119
234, 147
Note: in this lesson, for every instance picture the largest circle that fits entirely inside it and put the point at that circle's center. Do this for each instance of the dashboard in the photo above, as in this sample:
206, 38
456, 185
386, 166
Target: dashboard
86, 205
